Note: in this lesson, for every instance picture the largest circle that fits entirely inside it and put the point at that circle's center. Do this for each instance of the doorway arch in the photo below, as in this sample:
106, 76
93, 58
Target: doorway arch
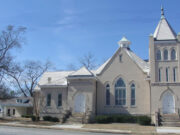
79, 103
168, 103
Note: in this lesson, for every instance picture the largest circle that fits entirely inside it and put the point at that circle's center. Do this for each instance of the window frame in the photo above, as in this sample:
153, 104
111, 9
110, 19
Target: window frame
59, 100
14, 111
174, 74
48, 102
133, 88
108, 95
120, 93
158, 53
120, 57
174, 54
159, 75
165, 55
167, 74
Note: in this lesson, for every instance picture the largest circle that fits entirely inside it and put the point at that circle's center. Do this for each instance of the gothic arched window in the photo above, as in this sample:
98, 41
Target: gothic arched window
120, 92
165, 54
107, 94
173, 54
133, 95
158, 55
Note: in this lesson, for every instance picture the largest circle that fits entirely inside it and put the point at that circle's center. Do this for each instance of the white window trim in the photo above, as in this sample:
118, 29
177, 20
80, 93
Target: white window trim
134, 95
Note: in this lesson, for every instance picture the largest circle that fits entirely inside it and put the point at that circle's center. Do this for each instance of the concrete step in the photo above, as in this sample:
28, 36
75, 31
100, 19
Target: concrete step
171, 124
170, 115
170, 118
75, 118
77, 114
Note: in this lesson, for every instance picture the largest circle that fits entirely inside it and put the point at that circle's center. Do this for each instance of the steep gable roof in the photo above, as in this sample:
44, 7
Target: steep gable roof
143, 65
164, 31
81, 72
99, 70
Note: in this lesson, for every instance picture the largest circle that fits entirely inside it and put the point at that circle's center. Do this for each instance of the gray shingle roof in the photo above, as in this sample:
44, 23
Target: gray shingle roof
164, 31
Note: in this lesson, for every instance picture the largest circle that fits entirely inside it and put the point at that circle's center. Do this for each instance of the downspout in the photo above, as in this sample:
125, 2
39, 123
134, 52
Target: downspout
150, 96
149, 82
67, 105
96, 100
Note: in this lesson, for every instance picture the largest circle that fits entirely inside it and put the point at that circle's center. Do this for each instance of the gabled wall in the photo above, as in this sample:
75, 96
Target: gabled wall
130, 73
53, 110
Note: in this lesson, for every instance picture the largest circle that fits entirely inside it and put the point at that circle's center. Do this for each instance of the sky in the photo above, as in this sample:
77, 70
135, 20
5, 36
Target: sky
62, 31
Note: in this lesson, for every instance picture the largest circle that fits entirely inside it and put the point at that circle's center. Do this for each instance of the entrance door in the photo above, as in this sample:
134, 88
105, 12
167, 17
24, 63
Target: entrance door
79, 103
168, 103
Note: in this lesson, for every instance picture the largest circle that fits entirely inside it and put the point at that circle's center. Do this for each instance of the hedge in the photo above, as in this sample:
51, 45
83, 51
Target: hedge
26, 116
49, 118
35, 118
142, 120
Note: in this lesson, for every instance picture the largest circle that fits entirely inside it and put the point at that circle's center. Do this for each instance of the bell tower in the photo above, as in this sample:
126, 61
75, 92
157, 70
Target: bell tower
164, 53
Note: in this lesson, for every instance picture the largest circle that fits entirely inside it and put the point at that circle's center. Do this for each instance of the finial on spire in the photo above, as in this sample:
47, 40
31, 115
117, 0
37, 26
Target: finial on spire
162, 12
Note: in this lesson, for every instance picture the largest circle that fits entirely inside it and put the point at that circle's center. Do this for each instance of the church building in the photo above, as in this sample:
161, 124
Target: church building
124, 84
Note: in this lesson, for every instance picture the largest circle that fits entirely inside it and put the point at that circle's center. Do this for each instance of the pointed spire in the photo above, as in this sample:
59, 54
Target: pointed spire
162, 12
164, 30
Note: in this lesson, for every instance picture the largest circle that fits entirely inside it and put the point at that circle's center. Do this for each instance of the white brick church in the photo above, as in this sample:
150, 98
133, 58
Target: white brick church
124, 84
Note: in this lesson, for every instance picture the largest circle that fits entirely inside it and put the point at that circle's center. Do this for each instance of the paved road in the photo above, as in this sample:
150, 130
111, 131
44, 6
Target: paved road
7, 130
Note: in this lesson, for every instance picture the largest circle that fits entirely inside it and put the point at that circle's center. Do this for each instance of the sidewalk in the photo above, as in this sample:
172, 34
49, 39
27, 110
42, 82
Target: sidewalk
74, 127
103, 128
170, 130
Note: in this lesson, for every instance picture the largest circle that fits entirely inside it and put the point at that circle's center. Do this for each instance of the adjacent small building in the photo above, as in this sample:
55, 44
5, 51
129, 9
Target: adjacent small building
16, 107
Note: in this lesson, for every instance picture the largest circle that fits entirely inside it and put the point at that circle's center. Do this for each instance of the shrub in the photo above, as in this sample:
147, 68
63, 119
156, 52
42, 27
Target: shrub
35, 118
104, 119
54, 119
144, 120
26, 116
49, 118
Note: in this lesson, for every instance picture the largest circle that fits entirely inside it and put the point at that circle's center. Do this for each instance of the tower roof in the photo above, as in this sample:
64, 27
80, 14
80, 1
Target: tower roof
164, 30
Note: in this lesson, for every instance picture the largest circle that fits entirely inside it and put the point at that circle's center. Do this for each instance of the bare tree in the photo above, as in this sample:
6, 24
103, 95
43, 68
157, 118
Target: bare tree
71, 67
6, 93
88, 61
38, 100
10, 38
26, 77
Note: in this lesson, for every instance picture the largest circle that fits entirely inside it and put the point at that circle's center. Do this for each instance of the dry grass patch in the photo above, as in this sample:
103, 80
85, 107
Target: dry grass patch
42, 123
122, 126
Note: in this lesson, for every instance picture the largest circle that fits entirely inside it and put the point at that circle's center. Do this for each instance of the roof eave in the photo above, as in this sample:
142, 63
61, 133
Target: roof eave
80, 77
53, 86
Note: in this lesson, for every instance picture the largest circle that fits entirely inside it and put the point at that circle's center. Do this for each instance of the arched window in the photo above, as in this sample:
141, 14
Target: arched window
173, 54
133, 95
165, 54
159, 75
158, 55
167, 74
107, 94
120, 92
174, 73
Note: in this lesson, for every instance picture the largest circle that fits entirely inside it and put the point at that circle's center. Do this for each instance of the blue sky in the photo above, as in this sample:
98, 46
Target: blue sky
64, 30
